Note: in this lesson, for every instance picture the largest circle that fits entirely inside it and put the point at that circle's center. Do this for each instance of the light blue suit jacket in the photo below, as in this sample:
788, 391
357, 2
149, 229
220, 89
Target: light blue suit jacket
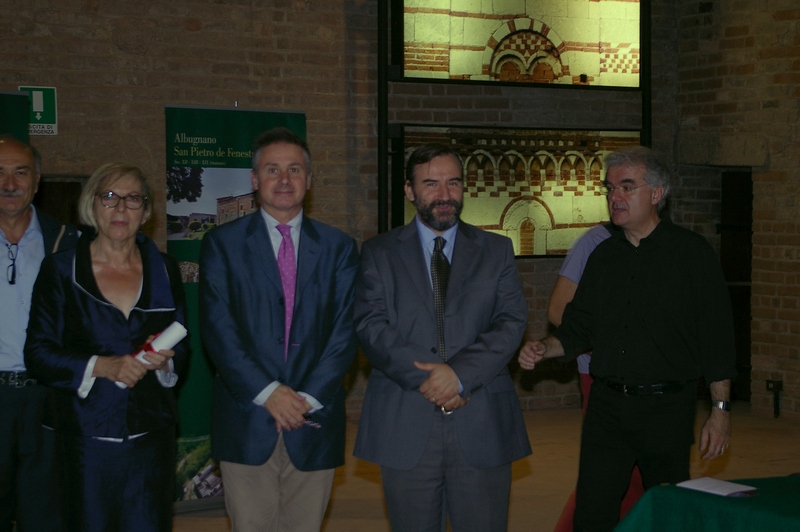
485, 318
242, 320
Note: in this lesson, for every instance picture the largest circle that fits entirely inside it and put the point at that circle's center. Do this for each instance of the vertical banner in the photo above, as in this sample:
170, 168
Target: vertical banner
14, 114
209, 154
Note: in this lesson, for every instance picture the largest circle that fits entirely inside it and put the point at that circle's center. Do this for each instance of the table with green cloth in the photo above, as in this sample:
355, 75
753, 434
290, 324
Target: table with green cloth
775, 508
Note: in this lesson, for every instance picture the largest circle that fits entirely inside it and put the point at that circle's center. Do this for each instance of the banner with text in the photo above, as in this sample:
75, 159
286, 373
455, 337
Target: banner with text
209, 153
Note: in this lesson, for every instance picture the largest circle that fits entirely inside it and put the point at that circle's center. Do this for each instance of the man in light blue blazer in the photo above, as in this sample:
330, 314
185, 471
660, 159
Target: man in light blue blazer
276, 295
441, 414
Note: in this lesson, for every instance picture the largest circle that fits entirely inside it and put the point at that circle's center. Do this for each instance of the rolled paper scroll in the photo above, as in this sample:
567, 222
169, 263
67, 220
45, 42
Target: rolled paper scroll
166, 339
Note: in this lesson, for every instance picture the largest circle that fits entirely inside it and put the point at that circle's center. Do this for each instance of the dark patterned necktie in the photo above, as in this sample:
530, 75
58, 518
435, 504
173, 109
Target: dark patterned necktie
440, 273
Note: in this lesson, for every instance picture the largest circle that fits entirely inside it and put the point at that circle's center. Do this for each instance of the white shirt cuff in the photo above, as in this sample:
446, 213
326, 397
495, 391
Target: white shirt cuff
265, 393
167, 378
315, 405
88, 380
262, 397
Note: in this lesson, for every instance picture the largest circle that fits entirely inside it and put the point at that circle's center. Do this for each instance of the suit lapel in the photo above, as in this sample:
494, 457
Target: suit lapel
307, 257
412, 258
263, 257
465, 254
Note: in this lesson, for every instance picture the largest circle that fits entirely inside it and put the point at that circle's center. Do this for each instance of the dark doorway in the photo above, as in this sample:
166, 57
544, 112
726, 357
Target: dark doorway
58, 197
736, 230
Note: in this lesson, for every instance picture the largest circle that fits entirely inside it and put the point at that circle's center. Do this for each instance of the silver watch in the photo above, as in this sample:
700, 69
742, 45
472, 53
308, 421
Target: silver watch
722, 405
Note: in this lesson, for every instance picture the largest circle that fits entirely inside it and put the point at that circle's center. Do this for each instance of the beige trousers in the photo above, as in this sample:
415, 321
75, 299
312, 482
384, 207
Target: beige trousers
275, 496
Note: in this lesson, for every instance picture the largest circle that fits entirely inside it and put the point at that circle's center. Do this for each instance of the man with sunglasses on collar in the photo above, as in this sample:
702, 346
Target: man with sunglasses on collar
654, 308
26, 448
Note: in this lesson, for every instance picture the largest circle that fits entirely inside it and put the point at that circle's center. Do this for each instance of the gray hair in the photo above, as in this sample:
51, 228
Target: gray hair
656, 172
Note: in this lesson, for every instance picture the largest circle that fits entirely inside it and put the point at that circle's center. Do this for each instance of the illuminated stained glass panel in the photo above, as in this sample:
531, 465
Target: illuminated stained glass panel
566, 42
539, 187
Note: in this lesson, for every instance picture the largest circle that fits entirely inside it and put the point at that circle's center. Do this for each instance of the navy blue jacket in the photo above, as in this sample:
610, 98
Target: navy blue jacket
242, 323
71, 321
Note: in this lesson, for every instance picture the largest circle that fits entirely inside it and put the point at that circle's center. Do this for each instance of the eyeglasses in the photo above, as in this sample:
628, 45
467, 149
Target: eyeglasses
627, 190
11, 272
132, 201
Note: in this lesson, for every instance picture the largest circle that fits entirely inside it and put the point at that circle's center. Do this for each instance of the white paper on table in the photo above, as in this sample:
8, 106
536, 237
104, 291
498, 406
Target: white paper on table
168, 339
716, 487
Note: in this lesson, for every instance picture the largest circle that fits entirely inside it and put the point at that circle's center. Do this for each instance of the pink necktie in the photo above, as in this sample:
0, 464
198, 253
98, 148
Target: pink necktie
288, 270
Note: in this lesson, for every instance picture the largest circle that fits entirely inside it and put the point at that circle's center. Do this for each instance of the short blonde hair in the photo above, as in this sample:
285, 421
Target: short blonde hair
102, 178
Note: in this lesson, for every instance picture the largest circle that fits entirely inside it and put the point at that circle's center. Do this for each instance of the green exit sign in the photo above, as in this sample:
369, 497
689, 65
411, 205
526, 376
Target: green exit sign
44, 113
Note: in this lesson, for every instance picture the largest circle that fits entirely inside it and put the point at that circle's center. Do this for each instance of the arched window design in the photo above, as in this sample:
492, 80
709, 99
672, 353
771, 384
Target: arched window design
542, 73
573, 167
504, 168
526, 230
472, 172
550, 170
526, 56
519, 170
580, 170
567, 170
537, 171
595, 171
488, 170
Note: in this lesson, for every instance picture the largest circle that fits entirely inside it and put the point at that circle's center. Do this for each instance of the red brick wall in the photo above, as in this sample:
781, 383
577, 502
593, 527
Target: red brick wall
739, 69
116, 64
723, 69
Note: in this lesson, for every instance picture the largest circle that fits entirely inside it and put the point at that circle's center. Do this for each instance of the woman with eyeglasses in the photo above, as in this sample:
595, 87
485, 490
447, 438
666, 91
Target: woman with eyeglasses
93, 309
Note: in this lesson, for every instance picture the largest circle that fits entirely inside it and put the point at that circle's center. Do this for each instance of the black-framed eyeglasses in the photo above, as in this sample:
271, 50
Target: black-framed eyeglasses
132, 201
608, 189
11, 272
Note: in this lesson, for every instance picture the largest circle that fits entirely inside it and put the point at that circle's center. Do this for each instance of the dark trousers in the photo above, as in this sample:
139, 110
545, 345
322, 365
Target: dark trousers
656, 432
27, 475
443, 484
124, 486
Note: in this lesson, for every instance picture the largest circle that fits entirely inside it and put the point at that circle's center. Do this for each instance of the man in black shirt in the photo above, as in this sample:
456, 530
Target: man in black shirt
654, 308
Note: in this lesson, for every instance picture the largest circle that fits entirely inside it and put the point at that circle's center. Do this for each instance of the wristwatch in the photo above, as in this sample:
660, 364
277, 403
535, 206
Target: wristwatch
722, 405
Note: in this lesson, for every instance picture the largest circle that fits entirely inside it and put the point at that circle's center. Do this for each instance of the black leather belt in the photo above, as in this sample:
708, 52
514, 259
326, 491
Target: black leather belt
659, 388
17, 379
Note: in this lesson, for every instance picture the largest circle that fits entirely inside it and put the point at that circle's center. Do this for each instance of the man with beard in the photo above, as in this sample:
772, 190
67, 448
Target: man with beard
439, 313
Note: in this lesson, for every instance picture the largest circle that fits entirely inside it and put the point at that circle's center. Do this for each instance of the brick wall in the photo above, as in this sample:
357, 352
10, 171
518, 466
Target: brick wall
116, 64
695, 203
739, 90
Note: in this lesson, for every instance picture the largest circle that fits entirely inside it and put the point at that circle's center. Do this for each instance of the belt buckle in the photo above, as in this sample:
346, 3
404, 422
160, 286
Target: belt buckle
446, 412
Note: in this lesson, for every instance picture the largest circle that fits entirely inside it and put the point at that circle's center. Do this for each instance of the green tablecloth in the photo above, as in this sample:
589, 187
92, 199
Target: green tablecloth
775, 508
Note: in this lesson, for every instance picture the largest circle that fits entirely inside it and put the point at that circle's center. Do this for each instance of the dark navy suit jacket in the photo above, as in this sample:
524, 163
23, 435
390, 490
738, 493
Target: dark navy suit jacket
57, 236
242, 322
71, 321
485, 318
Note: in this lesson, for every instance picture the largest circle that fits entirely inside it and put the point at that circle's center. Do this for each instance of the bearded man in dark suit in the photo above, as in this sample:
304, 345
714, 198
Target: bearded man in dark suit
439, 313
